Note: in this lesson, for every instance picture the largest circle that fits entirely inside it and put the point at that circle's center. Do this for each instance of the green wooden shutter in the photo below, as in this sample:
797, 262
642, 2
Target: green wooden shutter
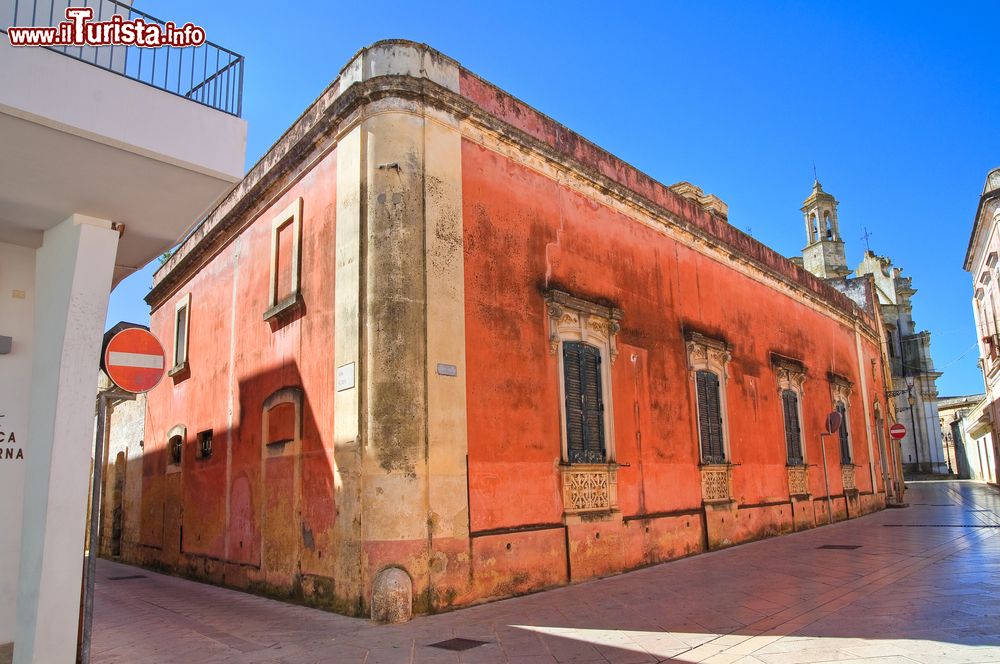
593, 405
710, 417
845, 447
573, 387
584, 403
793, 432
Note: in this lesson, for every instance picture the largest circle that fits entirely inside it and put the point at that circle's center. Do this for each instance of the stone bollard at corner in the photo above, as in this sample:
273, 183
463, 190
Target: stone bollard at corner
392, 596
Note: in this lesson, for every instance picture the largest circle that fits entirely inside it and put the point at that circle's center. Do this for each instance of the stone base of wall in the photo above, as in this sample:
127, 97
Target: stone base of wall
496, 565
803, 512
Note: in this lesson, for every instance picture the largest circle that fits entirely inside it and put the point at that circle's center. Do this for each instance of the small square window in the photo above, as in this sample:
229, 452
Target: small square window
205, 444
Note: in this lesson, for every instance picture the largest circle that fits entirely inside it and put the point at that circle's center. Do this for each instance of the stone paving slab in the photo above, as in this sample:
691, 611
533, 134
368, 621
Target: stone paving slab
922, 589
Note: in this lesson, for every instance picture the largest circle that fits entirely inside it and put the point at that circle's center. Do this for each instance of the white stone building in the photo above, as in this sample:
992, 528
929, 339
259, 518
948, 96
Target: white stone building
981, 261
913, 375
107, 161
968, 443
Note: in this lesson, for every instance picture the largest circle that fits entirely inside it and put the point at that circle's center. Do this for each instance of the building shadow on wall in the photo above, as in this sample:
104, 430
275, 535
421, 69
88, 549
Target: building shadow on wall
250, 506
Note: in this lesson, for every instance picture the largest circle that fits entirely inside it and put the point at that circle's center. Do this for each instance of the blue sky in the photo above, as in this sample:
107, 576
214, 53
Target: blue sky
897, 105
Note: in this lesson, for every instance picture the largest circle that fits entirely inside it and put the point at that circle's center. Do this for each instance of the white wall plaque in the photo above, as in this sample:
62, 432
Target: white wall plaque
447, 370
345, 377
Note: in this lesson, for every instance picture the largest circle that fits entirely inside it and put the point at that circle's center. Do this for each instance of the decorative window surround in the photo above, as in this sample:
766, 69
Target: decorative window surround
707, 354
716, 483
712, 355
840, 392
182, 327
280, 303
847, 478
588, 488
798, 481
791, 375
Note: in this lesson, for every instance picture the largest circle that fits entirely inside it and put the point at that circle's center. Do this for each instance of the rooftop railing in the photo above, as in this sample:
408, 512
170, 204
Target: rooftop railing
207, 74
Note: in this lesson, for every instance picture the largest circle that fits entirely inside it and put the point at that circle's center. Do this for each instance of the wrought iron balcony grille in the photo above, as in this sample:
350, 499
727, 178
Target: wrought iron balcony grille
207, 74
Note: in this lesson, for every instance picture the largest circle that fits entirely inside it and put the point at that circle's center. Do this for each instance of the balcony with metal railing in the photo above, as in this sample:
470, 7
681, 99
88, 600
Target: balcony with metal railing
207, 74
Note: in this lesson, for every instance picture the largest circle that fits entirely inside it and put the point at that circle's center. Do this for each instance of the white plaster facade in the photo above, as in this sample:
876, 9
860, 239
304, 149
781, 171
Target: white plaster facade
100, 174
910, 360
981, 261
968, 443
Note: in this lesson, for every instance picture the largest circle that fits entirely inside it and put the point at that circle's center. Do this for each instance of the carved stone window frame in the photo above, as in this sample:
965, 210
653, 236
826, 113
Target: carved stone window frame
279, 303
840, 392
791, 375
589, 491
573, 319
713, 355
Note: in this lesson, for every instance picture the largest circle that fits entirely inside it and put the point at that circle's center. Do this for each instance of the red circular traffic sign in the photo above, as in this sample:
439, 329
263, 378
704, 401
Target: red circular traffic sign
134, 360
897, 431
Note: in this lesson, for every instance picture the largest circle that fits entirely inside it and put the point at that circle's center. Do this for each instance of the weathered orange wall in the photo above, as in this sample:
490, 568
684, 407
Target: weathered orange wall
250, 362
525, 233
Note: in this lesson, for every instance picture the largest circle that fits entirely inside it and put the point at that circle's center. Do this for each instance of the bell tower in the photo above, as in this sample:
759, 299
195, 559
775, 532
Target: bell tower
824, 252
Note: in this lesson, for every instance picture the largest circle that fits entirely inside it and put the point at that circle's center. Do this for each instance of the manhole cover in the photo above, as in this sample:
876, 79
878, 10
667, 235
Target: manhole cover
840, 547
125, 578
458, 644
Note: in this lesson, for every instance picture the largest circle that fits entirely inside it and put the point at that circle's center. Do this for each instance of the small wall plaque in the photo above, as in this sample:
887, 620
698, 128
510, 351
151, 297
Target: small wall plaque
345, 377
447, 370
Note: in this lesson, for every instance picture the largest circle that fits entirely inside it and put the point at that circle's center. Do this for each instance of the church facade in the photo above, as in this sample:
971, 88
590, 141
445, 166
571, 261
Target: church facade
910, 365
436, 349
914, 378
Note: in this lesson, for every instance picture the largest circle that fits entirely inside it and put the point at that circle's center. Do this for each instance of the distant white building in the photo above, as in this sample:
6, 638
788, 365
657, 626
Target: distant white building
968, 442
981, 260
913, 375
109, 155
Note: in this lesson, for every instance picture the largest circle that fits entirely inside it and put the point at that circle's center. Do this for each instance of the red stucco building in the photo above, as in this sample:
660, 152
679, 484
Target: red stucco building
436, 331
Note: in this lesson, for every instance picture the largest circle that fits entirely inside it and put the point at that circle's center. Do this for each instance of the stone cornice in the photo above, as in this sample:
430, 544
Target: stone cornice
336, 111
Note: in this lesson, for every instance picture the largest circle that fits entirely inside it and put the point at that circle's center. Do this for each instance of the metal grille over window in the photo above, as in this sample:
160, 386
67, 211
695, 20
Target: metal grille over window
584, 403
793, 431
710, 418
845, 447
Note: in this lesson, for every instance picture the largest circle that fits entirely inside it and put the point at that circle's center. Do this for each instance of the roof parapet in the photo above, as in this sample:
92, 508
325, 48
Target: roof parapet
708, 202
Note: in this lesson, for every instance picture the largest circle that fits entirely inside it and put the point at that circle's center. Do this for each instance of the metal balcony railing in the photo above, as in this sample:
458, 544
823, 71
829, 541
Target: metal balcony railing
207, 74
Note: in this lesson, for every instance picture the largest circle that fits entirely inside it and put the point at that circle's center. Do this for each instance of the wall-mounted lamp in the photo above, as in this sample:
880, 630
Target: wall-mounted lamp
5, 345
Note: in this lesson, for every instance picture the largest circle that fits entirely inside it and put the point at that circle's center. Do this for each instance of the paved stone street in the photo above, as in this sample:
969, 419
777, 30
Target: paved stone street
922, 586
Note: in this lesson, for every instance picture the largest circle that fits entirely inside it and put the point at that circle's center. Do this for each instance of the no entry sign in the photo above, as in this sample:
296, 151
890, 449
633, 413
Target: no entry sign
134, 360
897, 431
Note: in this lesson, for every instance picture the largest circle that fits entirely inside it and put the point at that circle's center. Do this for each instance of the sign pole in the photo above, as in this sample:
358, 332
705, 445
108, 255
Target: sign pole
95, 514
826, 478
